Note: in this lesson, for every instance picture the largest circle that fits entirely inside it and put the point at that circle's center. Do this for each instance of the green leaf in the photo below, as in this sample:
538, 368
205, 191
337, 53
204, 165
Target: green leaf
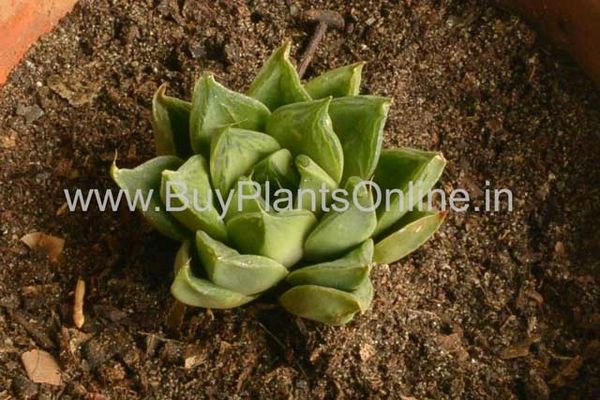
198, 292
322, 304
233, 154
144, 181
410, 233
364, 294
192, 183
305, 128
397, 169
249, 200
245, 274
358, 122
171, 124
315, 187
338, 82
214, 107
278, 169
277, 82
182, 257
279, 236
345, 273
339, 231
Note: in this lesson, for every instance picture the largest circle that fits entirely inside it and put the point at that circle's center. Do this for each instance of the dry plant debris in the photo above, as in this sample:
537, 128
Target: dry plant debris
78, 317
50, 245
41, 367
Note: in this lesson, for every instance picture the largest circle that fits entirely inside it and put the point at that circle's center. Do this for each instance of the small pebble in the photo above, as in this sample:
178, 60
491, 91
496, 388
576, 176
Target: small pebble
31, 113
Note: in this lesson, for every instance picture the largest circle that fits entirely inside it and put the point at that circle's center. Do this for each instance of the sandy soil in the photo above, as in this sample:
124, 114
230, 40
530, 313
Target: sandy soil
497, 305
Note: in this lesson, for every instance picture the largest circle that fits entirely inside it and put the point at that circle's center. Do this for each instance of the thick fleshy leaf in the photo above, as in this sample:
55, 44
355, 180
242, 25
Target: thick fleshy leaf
345, 273
198, 292
279, 236
246, 198
410, 233
143, 183
214, 107
358, 122
400, 170
305, 128
315, 187
338, 82
364, 294
190, 197
278, 169
277, 82
322, 304
171, 124
183, 256
339, 231
245, 274
233, 154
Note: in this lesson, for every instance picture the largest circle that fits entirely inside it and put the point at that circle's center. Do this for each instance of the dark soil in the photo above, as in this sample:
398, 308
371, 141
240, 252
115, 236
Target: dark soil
497, 305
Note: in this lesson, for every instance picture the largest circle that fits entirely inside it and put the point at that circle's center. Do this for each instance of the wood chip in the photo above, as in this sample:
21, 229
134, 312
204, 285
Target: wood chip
453, 344
175, 318
50, 245
520, 349
62, 210
109, 312
568, 373
41, 367
78, 317
151, 344
534, 295
77, 90
193, 356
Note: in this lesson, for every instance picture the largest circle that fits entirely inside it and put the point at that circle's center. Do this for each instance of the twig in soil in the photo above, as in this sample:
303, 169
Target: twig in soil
41, 338
280, 343
161, 338
324, 18
78, 317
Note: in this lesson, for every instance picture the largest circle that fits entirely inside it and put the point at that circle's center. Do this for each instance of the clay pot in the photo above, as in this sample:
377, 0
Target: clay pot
573, 24
22, 22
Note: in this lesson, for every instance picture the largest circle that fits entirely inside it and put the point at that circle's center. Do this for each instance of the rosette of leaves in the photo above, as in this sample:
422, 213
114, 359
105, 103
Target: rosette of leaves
282, 133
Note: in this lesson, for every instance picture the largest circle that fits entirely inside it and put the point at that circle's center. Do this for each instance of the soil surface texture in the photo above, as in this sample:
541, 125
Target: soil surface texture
497, 305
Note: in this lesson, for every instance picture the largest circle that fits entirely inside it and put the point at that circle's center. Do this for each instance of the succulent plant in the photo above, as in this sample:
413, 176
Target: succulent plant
312, 137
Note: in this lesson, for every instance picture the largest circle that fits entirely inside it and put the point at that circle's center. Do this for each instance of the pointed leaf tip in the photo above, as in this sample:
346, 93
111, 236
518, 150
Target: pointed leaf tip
338, 82
328, 305
246, 274
345, 273
306, 128
234, 152
188, 194
197, 292
338, 231
322, 304
411, 174
414, 229
146, 180
277, 83
170, 122
215, 107
279, 236
359, 123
